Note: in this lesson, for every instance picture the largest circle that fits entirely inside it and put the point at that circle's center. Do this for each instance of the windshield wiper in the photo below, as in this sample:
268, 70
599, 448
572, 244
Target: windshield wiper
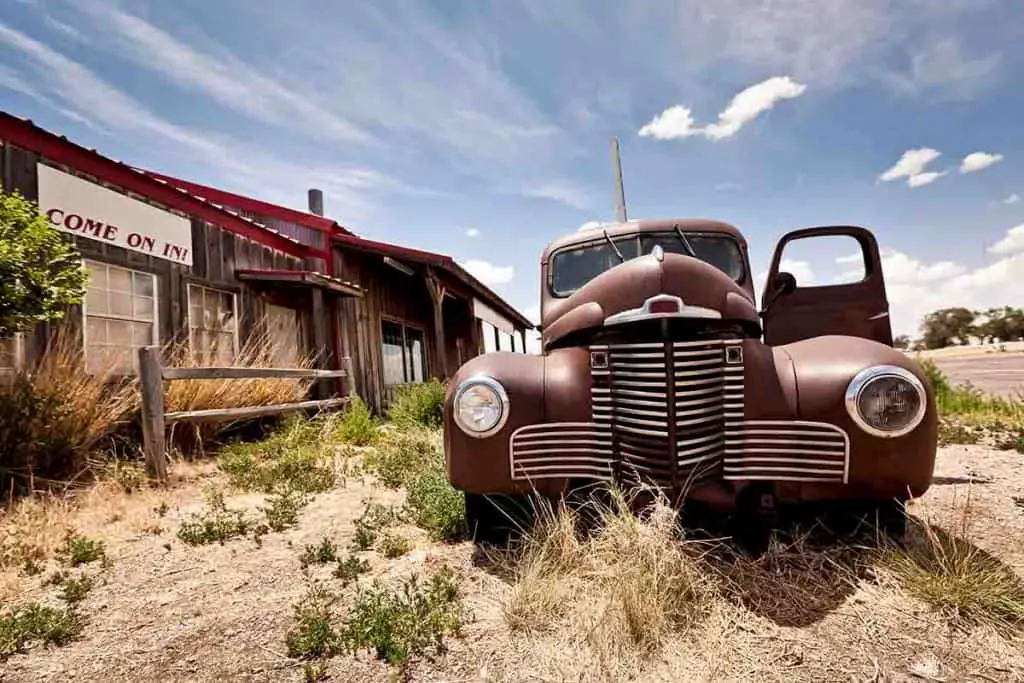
685, 242
615, 248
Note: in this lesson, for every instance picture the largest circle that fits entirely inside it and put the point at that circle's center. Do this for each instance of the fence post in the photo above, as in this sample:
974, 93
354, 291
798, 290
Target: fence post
350, 377
151, 382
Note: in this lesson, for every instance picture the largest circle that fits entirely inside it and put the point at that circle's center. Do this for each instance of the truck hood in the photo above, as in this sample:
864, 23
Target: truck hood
656, 285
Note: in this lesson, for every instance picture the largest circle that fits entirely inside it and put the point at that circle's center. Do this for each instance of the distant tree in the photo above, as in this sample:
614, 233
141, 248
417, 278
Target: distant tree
901, 342
1004, 324
40, 271
941, 328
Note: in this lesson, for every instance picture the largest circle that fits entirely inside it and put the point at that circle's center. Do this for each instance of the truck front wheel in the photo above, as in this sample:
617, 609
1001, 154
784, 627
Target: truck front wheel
496, 518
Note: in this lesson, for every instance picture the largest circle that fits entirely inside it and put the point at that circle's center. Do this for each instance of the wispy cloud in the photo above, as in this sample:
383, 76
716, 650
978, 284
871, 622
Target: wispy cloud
1011, 243
977, 161
677, 121
489, 273
564, 191
472, 232
222, 77
1012, 199
943, 66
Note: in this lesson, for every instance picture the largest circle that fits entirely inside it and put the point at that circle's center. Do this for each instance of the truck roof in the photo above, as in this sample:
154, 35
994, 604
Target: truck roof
616, 229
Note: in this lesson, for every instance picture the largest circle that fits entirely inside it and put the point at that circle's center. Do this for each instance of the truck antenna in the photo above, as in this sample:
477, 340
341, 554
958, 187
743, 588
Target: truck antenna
620, 192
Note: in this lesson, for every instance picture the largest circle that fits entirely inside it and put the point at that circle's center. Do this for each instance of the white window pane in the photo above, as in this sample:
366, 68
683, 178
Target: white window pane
97, 274
142, 334
143, 308
120, 304
96, 331
143, 284
96, 300
120, 280
119, 333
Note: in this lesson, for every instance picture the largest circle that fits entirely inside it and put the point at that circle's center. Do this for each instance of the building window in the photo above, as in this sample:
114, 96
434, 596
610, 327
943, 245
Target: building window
405, 358
490, 334
120, 317
212, 325
286, 335
10, 355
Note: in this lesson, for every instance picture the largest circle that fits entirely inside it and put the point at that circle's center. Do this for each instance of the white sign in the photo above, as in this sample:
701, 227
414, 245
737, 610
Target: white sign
88, 210
485, 312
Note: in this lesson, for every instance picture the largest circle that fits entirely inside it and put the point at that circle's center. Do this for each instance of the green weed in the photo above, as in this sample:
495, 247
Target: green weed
435, 506
356, 425
419, 405
33, 622
216, 524
75, 589
350, 569
291, 458
283, 509
393, 545
77, 550
326, 551
402, 454
375, 517
315, 633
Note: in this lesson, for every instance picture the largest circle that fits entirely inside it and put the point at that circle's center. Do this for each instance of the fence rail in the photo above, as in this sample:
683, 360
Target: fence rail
153, 374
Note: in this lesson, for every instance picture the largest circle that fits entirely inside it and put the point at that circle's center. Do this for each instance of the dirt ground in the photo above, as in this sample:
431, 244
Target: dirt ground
165, 611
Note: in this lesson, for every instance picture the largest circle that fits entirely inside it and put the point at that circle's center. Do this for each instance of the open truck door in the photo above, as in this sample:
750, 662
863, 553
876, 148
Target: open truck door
794, 310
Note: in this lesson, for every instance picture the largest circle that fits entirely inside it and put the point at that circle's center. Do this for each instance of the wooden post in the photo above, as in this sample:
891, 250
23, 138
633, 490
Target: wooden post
320, 339
151, 382
350, 376
436, 291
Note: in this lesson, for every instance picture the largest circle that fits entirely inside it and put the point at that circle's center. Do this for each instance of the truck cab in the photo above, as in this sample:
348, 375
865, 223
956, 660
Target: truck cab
658, 370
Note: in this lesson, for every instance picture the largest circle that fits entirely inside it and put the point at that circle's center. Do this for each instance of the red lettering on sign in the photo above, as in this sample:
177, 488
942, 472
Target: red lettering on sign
95, 227
110, 234
73, 222
51, 216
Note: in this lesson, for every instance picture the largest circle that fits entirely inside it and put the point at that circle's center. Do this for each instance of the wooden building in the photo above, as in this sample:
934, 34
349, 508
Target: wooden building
171, 261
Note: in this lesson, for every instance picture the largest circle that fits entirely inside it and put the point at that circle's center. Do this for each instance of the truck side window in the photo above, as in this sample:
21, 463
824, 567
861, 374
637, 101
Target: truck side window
823, 260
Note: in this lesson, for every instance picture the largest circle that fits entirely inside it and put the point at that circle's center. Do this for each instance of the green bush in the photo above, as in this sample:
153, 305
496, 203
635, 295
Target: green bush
291, 458
314, 634
434, 505
41, 274
216, 524
393, 545
402, 454
77, 550
326, 551
283, 509
356, 425
938, 379
404, 621
375, 518
349, 569
418, 405
75, 589
33, 622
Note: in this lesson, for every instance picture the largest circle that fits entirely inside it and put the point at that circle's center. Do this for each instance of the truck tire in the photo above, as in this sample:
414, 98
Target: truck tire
496, 518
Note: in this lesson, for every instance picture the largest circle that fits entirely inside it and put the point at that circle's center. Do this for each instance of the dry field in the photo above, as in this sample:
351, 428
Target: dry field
626, 604
997, 370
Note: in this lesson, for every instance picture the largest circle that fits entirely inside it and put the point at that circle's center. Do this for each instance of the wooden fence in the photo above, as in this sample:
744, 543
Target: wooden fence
153, 373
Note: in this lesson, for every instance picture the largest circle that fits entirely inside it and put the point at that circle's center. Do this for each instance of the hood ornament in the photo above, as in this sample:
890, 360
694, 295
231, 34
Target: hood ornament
658, 253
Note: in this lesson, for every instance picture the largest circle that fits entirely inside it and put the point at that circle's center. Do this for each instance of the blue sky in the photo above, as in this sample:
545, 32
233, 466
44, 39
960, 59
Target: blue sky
481, 129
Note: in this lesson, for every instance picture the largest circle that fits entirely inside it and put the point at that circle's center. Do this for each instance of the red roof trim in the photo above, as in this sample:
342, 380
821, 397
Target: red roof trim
57, 148
310, 220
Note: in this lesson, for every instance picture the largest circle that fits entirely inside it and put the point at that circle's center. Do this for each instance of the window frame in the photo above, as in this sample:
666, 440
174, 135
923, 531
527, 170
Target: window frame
403, 325
234, 309
549, 281
19, 356
154, 341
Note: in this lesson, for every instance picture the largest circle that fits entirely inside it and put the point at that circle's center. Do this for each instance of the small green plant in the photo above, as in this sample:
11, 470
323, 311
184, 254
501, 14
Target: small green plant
75, 589
283, 509
393, 545
403, 454
356, 425
129, 475
326, 551
401, 622
292, 458
954, 432
315, 633
216, 524
374, 518
77, 550
26, 624
313, 673
162, 509
419, 405
435, 506
350, 569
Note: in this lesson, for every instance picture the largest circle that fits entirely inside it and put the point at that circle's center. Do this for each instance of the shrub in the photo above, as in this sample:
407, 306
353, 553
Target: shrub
393, 545
291, 458
418, 405
374, 518
75, 589
217, 523
40, 271
314, 634
435, 506
77, 550
33, 622
283, 509
400, 623
356, 425
403, 454
349, 569
326, 551
53, 414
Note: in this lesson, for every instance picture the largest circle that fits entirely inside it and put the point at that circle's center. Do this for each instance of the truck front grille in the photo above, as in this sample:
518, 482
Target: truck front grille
669, 408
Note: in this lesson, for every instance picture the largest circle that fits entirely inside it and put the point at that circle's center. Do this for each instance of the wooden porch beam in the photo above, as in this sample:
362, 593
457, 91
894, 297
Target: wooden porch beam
436, 289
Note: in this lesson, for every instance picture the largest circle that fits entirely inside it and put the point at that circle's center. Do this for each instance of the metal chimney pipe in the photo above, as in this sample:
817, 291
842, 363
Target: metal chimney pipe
316, 201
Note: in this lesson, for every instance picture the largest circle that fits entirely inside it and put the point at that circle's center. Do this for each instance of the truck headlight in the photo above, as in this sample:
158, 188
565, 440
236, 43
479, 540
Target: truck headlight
480, 406
886, 400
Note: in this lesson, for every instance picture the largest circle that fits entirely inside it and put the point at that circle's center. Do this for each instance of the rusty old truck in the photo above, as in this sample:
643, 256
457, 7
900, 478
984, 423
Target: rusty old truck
658, 370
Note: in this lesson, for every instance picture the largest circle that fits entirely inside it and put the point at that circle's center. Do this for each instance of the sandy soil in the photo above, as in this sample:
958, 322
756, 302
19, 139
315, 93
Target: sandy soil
165, 611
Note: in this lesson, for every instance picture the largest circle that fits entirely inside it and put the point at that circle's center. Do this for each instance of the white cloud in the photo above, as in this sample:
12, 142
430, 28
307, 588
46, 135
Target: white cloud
591, 225
489, 273
671, 124
472, 232
855, 257
1012, 199
1012, 243
533, 313
677, 121
748, 104
977, 161
943, 65
926, 178
801, 270
911, 166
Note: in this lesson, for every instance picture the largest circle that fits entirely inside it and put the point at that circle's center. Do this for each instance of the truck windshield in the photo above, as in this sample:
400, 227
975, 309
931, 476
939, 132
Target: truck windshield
573, 268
